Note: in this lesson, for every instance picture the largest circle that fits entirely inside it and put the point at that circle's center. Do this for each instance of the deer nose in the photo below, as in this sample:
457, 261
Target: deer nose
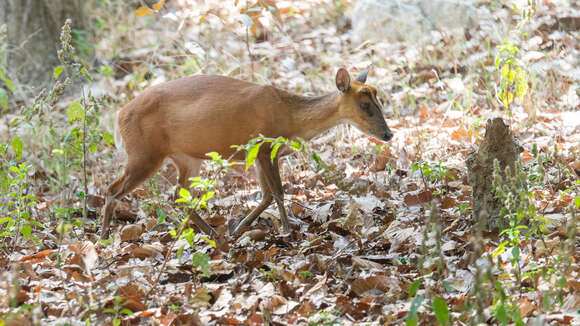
388, 136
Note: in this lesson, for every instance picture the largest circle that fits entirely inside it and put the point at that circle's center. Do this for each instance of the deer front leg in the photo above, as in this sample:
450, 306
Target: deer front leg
266, 201
278, 192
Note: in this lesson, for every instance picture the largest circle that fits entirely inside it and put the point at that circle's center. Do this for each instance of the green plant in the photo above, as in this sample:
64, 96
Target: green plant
118, 310
441, 311
190, 202
513, 78
412, 319
431, 172
517, 209
18, 220
64, 146
205, 186
4, 96
268, 275
206, 190
305, 273
462, 208
252, 149
504, 308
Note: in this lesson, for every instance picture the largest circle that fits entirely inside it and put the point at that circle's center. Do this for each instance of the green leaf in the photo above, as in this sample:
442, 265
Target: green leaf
17, 147
184, 193
412, 314
412, 320
441, 311
213, 155
296, 145
252, 155
501, 314
274, 152
126, 311
7, 80
57, 71
85, 73
207, 196
3, 99
202, 260
516, 252
448, 287
500, 249
208, 240
14, 169
108, 138
26, 231
577, 202
316, 158
76, 112
180, 251
414, 287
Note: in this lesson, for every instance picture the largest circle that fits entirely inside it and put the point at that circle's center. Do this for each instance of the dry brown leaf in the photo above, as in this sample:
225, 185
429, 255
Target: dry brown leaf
418, 197
37, 257
256, 234
361, 263
448, 202
385, 284
144, 11
146, 251
459, 133
353, 218
526, 307
132, 296
201, 298
131, 232
423, 112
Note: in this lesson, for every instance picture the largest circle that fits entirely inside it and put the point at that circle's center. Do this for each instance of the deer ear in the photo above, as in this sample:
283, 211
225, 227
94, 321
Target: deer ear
362, 77
342, 80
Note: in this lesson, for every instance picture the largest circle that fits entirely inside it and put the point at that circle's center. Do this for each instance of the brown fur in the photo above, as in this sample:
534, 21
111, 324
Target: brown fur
192, 116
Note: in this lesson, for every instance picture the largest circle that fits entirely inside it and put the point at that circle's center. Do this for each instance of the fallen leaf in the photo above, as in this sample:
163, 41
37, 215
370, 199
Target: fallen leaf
418, 197
526, 307
38, 257
131, 232
385, 284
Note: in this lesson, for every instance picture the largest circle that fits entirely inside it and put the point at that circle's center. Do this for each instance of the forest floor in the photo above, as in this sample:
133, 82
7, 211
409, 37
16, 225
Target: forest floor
385, 232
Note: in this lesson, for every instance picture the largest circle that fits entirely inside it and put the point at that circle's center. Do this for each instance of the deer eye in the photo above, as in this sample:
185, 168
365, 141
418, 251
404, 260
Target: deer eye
366, 106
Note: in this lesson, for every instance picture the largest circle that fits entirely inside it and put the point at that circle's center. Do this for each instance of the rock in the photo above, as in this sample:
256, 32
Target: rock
410, 20
498, 144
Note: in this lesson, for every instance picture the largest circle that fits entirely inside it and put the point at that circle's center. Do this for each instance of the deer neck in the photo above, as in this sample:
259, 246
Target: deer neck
312, 115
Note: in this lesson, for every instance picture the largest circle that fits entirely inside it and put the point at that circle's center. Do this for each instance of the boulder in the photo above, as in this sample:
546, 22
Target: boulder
410, 20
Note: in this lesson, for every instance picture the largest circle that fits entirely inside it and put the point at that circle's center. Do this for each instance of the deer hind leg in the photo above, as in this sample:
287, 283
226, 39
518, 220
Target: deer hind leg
137, 170
266, 201
188, 167
272, 175
278, 192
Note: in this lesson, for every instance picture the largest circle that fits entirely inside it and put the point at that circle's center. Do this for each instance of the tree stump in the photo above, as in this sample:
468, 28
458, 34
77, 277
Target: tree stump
498, 144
